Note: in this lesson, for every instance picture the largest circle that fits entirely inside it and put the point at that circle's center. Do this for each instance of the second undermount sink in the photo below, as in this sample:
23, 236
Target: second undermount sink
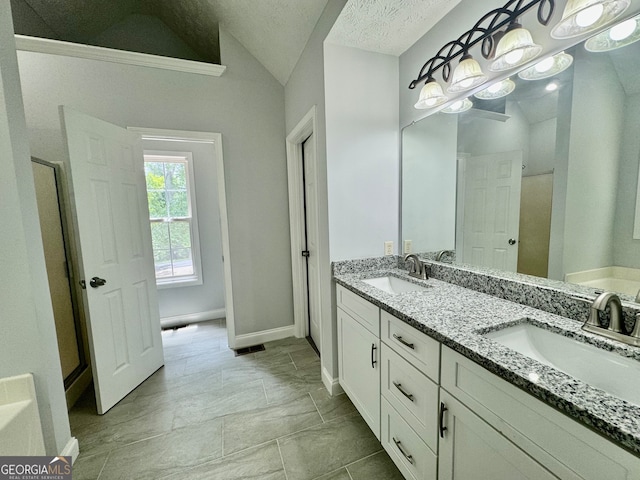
394, 285
608, 371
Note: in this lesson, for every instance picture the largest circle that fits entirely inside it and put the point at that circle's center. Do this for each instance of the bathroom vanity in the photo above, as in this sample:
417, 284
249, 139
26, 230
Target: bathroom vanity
448, 399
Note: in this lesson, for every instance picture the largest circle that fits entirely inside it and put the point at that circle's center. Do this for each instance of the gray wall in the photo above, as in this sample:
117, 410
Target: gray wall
246, 105
626, 250
594, 160
429, 174
181, 300
305, 89
27, 343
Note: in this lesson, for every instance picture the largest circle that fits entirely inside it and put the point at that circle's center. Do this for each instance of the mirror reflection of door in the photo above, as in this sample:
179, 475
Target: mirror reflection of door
65, 309
491, 210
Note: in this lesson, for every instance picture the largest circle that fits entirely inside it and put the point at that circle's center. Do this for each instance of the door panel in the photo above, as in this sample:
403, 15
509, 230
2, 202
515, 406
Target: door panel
109, 196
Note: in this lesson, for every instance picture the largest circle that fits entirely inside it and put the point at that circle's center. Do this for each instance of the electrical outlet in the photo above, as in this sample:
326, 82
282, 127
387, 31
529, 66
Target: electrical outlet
388, 248
407, 246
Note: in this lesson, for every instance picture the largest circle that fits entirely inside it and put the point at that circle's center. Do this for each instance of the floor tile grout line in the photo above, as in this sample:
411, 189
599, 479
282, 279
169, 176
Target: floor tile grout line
284, 468
317, 409
103, 465
363, 458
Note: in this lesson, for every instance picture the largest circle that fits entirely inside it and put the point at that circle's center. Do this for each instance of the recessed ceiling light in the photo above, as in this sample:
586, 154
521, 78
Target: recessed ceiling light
553, 86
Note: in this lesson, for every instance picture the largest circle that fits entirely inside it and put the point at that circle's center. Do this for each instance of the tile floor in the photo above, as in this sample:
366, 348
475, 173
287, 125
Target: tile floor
210, 415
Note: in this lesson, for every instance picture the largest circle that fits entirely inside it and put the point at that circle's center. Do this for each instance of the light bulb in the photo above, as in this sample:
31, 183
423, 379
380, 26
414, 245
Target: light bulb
431, 101
545, 65
466, 83
590, 15
623, 30
495, 87
514, 57
456, 106
551, 87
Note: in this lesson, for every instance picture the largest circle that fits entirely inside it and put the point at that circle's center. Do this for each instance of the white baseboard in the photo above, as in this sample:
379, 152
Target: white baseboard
249, 339
71, 449
178, 320
331, 384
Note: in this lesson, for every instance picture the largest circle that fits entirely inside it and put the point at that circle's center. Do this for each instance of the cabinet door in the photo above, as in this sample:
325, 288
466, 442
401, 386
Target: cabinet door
472, 450
359, 368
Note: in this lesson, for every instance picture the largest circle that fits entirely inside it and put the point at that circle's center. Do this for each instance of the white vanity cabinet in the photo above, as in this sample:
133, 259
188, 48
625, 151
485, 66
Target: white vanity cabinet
359, 354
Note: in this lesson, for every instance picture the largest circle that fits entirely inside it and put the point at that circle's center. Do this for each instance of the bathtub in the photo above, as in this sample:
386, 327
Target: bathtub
611, 279
20, 429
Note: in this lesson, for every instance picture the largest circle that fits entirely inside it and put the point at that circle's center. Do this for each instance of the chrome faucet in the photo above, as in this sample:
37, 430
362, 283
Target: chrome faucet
441, 254
417, 269
600, 304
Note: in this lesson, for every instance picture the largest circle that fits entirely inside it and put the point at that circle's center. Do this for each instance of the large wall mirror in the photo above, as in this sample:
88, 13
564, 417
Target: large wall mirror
543, 181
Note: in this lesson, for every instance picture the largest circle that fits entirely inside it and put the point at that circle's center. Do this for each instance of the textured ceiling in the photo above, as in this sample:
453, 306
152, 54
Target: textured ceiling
387, 26
273, 31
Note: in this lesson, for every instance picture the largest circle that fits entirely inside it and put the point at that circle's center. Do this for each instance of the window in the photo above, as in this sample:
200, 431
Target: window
174, 229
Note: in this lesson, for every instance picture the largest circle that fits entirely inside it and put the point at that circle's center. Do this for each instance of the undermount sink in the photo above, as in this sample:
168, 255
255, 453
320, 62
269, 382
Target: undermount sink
394, 285
608, 371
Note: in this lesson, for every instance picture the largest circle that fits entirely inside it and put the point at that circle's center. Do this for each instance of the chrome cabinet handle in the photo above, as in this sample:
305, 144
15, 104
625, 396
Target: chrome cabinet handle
403, 391
406, 455
442, 428
404, 342
373, 355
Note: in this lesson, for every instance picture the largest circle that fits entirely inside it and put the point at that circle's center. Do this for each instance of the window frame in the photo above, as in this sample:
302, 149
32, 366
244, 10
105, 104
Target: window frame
165, 156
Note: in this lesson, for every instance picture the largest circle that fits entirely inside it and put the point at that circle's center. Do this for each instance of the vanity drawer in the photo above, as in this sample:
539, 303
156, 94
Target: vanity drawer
412, 456
418, 405
363, 311
419, 349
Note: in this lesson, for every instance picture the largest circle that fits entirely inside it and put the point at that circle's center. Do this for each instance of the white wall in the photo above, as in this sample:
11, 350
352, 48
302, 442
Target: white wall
180, 300
28, 341
626, 250
246, 105
594, 160
304, 89
362, 151
429, 174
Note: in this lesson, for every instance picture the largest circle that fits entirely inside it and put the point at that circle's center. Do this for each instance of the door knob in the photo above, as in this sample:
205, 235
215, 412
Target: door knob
512, 241
96, 282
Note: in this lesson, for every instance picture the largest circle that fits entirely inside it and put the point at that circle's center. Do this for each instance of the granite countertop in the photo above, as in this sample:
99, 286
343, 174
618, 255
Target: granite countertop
458, 316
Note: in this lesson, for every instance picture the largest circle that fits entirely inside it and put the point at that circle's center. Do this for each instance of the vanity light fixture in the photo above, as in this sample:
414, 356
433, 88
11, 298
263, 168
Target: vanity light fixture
515, 48
548, 67
431, 95
497, 90
584, 16
505, 50
467, 75
459, 106
620, 35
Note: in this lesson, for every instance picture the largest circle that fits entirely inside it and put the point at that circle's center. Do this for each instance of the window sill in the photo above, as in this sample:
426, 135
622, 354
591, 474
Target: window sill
178, 282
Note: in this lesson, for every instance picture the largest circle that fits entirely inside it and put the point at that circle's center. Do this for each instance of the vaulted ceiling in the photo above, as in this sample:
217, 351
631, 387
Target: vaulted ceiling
275, 32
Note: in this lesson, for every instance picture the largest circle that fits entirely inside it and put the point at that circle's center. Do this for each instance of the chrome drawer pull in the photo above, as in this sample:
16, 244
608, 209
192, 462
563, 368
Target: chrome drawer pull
406, 455
403, 391
404, 342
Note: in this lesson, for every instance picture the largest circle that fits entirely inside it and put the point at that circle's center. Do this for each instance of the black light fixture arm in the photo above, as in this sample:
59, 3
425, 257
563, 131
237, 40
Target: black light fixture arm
497, 18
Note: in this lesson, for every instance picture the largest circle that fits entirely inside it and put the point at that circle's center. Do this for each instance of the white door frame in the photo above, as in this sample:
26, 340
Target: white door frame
216, 140
295, 139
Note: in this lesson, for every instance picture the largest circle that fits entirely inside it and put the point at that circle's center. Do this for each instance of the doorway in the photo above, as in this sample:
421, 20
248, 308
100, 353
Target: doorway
206, 295
61, 273
303, 216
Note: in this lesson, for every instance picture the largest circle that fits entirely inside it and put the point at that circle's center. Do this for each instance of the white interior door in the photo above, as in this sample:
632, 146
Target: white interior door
110, 202
492, 210
311, 219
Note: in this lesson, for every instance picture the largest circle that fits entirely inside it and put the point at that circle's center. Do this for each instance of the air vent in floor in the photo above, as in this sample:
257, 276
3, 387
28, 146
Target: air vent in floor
247, 350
